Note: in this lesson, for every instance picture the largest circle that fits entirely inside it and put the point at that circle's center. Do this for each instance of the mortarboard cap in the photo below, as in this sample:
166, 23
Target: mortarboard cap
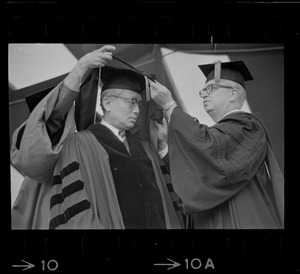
116, 78
235, 71
120, 74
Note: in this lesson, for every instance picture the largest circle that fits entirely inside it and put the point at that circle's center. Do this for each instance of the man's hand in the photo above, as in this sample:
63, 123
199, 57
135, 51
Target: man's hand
160, 94
162, 134
96, 58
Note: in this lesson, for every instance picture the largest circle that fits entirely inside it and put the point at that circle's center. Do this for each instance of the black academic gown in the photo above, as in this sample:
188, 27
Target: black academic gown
220, 172
137, 191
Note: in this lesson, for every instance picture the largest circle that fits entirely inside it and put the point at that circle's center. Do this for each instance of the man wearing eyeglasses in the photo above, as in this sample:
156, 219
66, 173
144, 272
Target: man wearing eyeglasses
103, 176
226, 174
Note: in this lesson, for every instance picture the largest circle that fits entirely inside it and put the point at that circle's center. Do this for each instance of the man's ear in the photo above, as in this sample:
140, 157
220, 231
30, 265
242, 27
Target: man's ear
106, 103
233, 95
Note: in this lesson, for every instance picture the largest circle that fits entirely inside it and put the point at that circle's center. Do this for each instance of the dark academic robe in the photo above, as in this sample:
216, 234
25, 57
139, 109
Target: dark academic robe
76, 179
98, 184
226, 175
138, 186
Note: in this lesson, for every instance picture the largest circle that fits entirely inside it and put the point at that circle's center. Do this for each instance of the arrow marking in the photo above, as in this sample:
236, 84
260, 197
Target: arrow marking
27, 265
173, 264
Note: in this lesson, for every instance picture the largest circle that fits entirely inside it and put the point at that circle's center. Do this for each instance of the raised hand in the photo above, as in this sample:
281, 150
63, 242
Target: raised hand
97, 58
160, 94
94, 59
162, 134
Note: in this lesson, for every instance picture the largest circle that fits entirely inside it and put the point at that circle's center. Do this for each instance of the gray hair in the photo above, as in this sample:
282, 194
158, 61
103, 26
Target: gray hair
242, 96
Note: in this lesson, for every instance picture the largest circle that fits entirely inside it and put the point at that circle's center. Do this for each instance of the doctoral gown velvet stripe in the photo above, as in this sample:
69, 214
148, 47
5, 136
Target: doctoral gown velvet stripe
99, 190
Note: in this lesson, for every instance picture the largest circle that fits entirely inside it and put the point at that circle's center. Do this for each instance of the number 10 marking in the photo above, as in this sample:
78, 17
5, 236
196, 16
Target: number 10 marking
51, 265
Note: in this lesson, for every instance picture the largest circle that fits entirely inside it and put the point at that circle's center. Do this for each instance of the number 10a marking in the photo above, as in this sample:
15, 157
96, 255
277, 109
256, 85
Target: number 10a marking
196, 263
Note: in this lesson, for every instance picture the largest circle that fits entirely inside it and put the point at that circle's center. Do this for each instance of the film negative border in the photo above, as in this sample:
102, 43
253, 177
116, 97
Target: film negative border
133, 22
155, 252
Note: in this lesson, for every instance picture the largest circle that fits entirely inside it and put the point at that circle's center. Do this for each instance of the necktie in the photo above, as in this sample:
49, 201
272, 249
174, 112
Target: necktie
124, 139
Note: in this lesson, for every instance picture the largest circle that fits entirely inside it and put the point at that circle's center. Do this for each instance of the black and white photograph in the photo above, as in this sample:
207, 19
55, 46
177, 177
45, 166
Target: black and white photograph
152, 136
147, 136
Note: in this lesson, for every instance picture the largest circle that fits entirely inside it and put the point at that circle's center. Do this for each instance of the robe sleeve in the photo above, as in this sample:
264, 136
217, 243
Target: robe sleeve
35, 146
209, 165
31, 207
83, 193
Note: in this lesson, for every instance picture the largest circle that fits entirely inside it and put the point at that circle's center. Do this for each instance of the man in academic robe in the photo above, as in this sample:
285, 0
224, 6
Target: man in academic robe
102, 177
225, 174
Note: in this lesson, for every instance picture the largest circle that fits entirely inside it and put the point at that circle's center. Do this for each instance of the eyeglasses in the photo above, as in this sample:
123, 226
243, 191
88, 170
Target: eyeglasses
132, 102
211, 88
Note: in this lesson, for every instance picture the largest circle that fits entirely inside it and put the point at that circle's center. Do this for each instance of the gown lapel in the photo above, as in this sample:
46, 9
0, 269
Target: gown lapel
107, 138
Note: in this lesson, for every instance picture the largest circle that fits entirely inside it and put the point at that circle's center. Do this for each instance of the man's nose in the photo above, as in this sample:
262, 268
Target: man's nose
136, 109
204, 94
